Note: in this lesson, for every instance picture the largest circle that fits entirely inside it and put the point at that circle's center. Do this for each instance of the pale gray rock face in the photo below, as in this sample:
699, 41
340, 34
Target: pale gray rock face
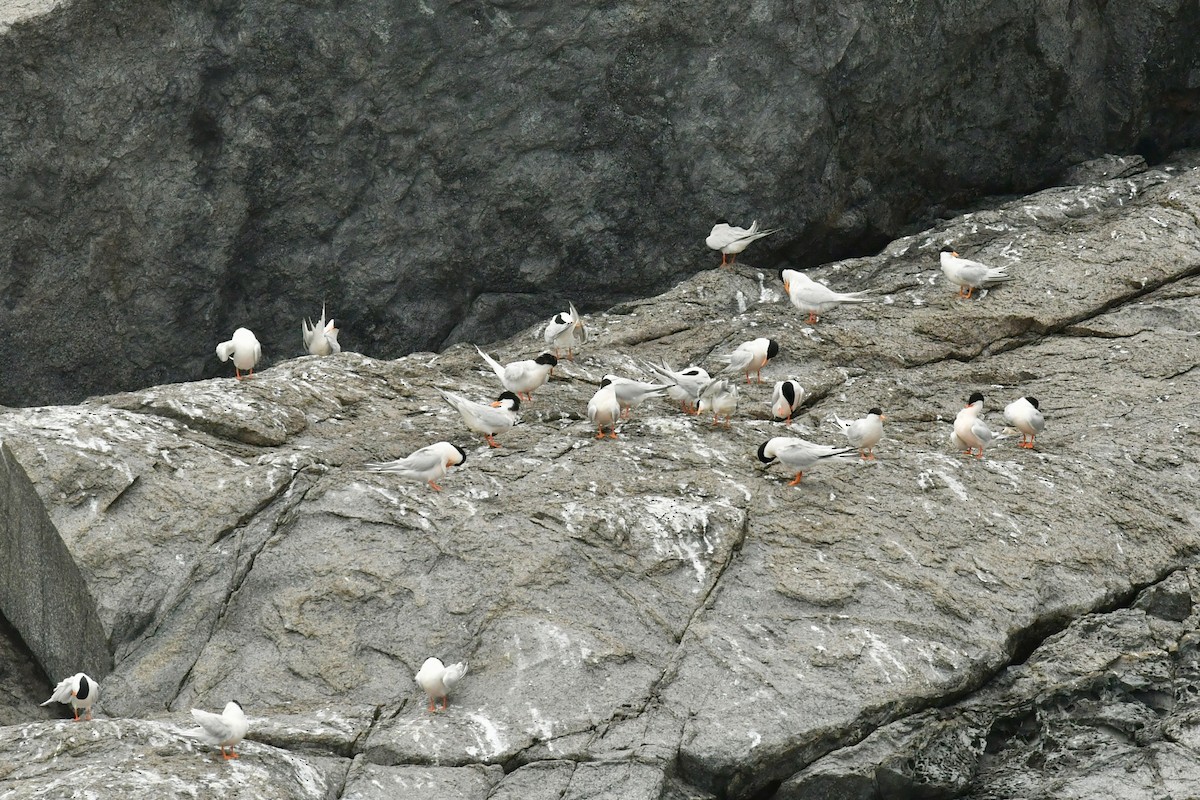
441, 172
662, 616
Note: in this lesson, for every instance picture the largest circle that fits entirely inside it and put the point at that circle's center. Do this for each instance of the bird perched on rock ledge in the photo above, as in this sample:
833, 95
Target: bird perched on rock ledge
244, 349
970, 275
970, 432
320, 339
226, 729
731, 240
427, 464
437, 680
1025, 414
79, 690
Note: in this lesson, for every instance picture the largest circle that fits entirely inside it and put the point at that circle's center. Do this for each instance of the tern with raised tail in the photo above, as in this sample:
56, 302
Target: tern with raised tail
522, 377
320, 339
565, 332
686, 384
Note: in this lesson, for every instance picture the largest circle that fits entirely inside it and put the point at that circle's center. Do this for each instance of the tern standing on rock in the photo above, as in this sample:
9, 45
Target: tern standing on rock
489, 420
970, 275
226, 729
1025, 414
428, 464
752, 356
812, 297
970, 432
320, 339
79, 690
437, 680
565, 332
731, 240
244, 349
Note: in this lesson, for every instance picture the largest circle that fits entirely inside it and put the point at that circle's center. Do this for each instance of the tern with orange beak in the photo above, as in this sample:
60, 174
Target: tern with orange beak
970, 432
79, 691
522, 377
786, 399
814, 298
489, 420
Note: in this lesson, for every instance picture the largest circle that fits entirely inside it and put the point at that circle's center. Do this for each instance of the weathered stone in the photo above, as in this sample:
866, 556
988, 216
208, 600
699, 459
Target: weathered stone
145, 758
367, 781
664, 605
41, 589
174, 170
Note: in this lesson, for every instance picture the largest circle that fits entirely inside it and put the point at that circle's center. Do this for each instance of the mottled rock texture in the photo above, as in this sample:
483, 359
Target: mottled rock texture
661, 616
442, 171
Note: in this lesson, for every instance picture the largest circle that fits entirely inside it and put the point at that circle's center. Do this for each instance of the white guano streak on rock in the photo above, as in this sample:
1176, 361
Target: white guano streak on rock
487, 737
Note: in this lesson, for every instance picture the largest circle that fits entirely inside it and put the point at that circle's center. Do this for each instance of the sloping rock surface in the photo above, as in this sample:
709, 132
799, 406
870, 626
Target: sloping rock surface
661, 615
441, 171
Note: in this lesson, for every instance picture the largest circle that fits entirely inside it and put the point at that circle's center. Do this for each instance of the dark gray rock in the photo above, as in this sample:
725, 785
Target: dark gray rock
441, 172
1108, 707
42, 591
662, 613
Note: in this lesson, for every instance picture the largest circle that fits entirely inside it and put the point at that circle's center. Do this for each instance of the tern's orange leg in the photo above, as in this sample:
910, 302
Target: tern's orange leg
760, 374
797, 479
612, 434
812, 318
445, 703
969, 290
599, 433
435, 486
76, 712
491, 441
